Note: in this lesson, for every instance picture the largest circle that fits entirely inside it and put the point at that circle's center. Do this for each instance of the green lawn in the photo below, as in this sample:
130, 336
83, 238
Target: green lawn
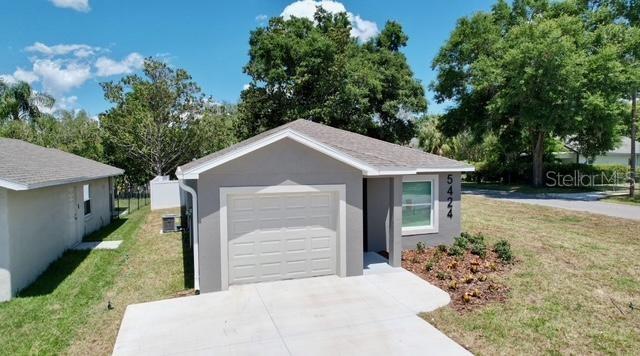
527, 189
65, 310
624, 199
571, 290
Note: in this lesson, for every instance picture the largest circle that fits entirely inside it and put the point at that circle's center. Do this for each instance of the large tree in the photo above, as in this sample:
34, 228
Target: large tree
531, 71
314, 70
18, 101
150, 128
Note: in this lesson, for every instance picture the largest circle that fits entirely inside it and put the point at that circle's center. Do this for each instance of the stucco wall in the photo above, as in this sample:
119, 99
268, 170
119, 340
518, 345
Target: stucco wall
283, 162
43, 224
5, 275
448, 228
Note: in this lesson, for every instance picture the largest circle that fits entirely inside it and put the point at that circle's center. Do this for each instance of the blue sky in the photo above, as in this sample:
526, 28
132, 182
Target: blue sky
67, 47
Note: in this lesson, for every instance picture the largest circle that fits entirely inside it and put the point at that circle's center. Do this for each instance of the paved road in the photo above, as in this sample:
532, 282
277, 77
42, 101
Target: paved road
586, 202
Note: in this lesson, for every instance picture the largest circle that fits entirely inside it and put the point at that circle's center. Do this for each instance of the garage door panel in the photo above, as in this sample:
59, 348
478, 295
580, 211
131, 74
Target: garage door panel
281, 236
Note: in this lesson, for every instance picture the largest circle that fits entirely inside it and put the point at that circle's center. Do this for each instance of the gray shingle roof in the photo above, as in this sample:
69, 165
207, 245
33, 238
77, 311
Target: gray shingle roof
379, 154
31, 166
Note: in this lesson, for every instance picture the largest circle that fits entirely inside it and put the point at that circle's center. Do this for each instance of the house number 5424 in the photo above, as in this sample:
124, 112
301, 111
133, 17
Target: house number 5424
450, 196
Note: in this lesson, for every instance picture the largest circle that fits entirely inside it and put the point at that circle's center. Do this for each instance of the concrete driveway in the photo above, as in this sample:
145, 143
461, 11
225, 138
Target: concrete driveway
374, 314
584, 202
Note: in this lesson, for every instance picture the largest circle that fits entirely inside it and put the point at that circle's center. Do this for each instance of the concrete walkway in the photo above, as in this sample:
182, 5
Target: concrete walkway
585, 202
98, 245
373, 314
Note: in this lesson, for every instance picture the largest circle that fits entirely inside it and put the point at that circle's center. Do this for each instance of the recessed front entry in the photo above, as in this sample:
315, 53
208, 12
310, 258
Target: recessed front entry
282, 235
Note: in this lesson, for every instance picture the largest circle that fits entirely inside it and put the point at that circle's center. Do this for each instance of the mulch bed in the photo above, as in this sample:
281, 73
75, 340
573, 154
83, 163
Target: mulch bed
469, 279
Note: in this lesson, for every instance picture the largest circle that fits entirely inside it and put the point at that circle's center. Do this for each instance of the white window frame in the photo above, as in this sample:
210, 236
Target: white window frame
85, 199
339, 189
433, 228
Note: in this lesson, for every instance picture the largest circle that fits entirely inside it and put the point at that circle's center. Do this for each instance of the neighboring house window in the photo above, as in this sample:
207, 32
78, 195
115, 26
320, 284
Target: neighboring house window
419, 204
87, 199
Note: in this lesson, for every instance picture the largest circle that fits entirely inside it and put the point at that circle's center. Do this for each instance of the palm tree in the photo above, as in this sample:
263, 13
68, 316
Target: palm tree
18, 101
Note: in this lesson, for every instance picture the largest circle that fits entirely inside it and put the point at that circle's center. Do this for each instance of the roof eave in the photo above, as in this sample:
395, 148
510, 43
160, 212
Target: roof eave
18, 186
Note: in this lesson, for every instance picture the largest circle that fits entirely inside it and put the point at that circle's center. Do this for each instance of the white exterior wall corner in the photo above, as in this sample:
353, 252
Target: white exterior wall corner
45, 222
6, 291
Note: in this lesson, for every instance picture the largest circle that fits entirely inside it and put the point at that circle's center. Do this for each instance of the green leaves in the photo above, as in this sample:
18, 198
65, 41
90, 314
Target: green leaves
531, 71
316, 71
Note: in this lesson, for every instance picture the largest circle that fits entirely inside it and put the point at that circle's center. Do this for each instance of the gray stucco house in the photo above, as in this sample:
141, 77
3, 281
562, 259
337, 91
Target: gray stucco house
305, 199
49, 200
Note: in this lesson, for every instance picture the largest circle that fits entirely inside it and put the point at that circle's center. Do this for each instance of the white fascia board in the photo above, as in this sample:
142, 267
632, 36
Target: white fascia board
287, 133
17, 186
13, 186
444, 170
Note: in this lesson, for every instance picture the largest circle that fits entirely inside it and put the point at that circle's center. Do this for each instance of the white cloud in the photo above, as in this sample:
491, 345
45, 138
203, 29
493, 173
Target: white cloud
246, 86
78, 50
262, 18
107, 66
361, 29
20, 75
78, 5
59, 77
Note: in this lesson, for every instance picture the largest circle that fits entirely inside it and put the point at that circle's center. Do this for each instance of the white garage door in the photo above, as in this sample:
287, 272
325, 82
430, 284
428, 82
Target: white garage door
281, 236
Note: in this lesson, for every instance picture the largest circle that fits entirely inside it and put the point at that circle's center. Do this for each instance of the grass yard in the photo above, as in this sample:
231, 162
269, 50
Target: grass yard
65, 310
524, 188
624, 199
574, 290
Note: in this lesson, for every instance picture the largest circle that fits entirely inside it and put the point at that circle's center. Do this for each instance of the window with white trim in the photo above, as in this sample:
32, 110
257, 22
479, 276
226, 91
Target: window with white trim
419, 205
86, 192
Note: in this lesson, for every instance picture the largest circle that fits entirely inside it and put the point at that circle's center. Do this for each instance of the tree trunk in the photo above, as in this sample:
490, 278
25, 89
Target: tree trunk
538, 157
634, 117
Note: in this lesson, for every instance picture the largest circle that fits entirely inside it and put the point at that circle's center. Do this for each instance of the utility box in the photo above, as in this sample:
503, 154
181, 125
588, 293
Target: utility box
169, 223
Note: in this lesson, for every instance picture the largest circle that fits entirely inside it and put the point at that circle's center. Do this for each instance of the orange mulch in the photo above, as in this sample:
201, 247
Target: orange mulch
469, 279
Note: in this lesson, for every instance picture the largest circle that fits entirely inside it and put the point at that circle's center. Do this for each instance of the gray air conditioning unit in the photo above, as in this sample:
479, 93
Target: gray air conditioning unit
169, 223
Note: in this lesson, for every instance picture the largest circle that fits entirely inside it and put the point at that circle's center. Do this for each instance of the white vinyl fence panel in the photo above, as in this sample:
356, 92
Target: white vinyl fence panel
165, 193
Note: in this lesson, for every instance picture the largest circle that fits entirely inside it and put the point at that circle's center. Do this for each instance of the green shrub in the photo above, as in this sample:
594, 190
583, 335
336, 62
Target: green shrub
420, 247
428, 266
503, 249
456, 250
479, 248
442, 248
461, 241
477, 238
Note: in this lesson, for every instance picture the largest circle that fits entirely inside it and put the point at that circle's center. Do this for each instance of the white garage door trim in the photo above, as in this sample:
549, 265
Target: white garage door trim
342, 219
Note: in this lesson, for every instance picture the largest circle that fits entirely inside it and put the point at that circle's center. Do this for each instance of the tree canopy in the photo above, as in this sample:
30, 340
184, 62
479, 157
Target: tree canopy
159, 121
532, 71
314, 70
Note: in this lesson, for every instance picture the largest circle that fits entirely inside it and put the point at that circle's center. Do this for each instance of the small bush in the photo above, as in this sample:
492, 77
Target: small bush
442, 248
479, 248
420, 247
456, 250
429, 266
473, 239
461, 241
503, 249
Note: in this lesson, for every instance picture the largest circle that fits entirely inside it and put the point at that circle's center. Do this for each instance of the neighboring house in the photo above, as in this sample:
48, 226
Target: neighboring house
49, 200
621, 155
305, 199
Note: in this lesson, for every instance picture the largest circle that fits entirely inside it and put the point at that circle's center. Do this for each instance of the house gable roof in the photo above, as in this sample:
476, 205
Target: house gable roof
374, 157
26, 166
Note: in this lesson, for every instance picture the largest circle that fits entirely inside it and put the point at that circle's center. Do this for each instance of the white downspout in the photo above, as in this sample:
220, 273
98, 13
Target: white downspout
194, 216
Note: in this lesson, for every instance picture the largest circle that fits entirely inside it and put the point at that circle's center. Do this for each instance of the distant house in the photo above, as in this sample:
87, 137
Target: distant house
49, 200
620, 155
